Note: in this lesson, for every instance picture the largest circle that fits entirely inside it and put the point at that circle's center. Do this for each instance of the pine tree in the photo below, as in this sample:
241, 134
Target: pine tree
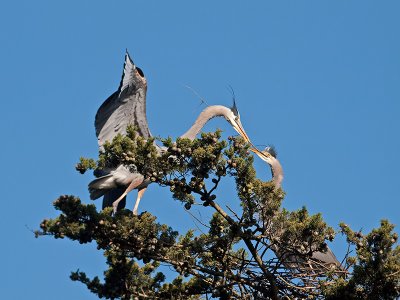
244, 254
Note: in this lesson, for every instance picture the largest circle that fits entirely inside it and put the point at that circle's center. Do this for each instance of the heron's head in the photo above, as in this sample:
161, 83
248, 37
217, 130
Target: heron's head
267, 155
271, 150
233, 117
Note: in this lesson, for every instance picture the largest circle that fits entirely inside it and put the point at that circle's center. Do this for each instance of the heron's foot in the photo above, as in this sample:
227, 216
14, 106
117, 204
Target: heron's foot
115, 205
134, 212
116, 202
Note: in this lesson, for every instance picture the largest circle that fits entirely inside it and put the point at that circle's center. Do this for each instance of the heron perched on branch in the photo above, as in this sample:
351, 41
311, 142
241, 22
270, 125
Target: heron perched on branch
319, 260
127, 106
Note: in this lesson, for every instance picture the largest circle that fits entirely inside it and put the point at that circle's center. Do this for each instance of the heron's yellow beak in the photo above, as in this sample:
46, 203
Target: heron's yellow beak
256, 151
265, 156
237, 125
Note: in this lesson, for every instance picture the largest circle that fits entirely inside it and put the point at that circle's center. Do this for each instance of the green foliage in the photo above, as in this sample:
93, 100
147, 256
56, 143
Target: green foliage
85, 164
376, 266
302, 232
238, 255
130, 150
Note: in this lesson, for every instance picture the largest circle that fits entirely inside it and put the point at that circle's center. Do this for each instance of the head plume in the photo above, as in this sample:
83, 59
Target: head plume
234, 107
271, 150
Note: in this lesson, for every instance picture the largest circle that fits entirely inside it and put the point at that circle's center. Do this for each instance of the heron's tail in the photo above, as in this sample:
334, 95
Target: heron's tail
100, 186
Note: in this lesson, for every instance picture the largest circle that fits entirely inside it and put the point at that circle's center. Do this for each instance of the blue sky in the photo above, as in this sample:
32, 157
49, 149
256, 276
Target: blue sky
318, 79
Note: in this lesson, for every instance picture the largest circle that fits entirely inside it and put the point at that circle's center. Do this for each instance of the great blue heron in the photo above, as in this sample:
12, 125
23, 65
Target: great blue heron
319, 260
127, 106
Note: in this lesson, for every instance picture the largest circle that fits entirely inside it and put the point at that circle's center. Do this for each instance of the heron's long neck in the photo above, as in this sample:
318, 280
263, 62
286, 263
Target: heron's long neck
207, 114
277, 172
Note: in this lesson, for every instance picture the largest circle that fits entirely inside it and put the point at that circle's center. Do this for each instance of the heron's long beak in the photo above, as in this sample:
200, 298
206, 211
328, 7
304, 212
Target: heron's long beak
237, 125
265, 156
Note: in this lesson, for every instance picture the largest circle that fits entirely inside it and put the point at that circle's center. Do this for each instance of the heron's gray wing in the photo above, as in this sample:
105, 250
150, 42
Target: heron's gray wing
127, 106
121, 176
327, 258
320, 262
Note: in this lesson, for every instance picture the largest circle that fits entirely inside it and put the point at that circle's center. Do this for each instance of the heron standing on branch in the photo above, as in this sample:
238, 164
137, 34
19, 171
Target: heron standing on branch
127, 106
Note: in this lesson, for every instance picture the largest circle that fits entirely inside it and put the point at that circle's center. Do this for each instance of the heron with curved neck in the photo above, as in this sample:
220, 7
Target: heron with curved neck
127, 106
318, 258
269, 156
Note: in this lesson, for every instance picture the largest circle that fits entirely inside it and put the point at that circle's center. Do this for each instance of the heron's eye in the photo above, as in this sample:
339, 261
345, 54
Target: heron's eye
140, 71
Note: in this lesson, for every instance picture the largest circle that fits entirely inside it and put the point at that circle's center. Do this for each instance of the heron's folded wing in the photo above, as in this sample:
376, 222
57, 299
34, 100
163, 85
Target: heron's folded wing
327, 258
127, 106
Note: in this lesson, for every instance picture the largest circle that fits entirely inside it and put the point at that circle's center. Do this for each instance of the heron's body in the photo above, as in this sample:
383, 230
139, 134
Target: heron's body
127, 106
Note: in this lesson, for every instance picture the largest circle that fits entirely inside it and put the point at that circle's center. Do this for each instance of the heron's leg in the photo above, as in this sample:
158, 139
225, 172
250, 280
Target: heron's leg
131, 186
139, 196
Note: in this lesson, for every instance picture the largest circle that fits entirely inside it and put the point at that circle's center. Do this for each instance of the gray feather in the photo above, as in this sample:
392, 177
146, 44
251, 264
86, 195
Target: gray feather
127, 106
319, 262
327, 257
121, 177
96, 193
